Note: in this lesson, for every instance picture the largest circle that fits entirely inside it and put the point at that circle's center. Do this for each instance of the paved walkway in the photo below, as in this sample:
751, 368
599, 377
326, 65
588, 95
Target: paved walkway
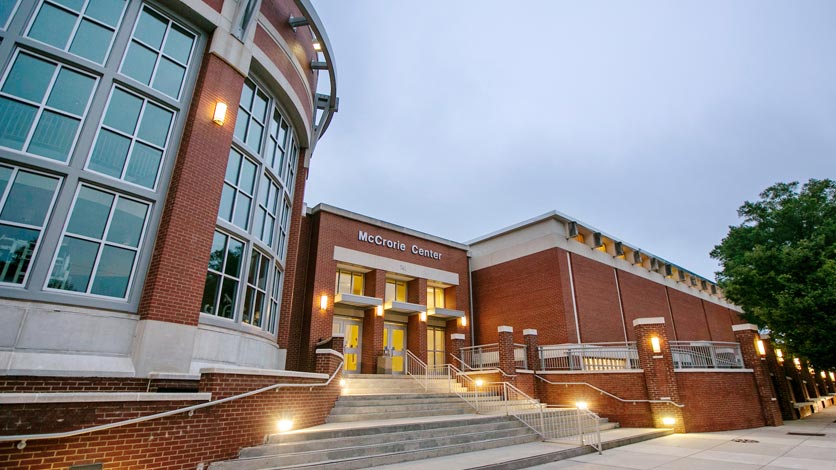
762, 448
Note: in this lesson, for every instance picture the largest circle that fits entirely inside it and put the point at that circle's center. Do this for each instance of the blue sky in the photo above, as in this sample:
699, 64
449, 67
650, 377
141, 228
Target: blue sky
650, 120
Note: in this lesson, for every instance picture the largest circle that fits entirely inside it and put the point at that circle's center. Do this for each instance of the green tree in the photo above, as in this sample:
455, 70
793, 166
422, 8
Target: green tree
779, 266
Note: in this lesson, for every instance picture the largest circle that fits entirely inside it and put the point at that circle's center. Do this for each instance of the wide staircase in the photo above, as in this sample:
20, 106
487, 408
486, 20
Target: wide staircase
387, 419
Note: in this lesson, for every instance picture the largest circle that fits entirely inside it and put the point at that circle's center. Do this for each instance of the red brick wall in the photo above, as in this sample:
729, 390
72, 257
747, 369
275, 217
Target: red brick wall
522, 293
29, 384
597, 300
643, 298
277, 12
292, 319
177, 272
627, 386
174, 442
719, 322
689, 316
719, 401
282, 62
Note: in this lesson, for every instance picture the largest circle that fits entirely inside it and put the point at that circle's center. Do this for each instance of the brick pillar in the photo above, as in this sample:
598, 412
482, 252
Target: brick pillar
416, 329
506, 350
808, 380
658, 371
532, 349
821, 386
455, 349
326, 362
747, 335
831, 386
795, 380
374, 285
779, 381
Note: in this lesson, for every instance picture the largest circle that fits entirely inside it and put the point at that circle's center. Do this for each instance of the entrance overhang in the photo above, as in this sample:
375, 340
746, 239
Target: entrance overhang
404, 307
362, 301
445, 313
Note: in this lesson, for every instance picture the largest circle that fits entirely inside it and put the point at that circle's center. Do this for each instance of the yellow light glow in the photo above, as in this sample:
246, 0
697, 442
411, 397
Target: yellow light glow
284, 425
380, 310
797, 362
220, 113
342, 382
780, 355
656, 344
423, 316
832, 377
581, 405
323, 302
761, 347
479, 382
668, 420
823, 375
317, 45
464, 321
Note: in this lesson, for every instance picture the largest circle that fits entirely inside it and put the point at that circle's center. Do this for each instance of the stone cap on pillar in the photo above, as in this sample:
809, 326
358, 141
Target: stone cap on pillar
744, 327
530, 332
649, 321
338, 335
457, 336
505, 329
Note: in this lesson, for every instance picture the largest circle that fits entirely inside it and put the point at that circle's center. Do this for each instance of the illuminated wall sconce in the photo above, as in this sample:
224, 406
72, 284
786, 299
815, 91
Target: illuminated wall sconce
379, 310
823, 375
761, 347
323, 302
656, 344
797, 363
780, 355
284, 425
833, 377
581, 405
220, 113
464, 321
423, 316
668, 420
317, 46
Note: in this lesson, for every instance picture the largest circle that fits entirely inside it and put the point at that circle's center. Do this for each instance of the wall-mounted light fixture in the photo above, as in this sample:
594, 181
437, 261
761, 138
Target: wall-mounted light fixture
833, 377
379, 310
284, 425
823, 375
423, 316
780, 355
317, 46
797, 363
464, 321
761, 347
656, 344
323, 302
668, 420
220, 113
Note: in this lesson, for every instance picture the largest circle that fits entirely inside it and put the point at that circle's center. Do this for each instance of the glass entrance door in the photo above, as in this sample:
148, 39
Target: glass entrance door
350, 327
394, 344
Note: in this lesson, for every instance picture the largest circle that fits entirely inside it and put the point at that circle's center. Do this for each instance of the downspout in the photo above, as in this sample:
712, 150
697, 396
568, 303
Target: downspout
470, 294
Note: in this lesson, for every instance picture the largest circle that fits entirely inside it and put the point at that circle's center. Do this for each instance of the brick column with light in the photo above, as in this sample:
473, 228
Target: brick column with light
658, 369
374, 285
455, 350
779, 380
796, 382
808, 380
821, 385
747, 335
416, 328
532, 349
506, 351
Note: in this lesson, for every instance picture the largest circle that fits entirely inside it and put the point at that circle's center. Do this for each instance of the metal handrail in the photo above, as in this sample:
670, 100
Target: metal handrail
623, 400
481, 371
189, 409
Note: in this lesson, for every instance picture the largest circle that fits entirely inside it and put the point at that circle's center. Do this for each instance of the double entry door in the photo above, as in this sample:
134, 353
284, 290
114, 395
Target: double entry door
394, 345
351, 328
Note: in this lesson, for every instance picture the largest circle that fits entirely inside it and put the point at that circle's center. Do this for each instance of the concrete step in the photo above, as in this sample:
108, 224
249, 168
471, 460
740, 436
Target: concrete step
344, 418
395, 407
408, 448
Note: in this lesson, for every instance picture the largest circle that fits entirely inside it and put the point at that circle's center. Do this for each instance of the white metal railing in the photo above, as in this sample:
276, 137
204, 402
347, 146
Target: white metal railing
604, 392
705, 355
589, 356
426, 375
22, 439
520, 356
564, 424
484, 356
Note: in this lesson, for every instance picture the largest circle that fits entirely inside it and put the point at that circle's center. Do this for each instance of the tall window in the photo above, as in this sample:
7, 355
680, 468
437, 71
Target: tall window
435, 346
395, 291
435, 297
93, 123
255, 209
349, 282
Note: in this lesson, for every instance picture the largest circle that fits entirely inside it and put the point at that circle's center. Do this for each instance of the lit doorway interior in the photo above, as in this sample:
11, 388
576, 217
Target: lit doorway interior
350, 327
435, 346
394, 344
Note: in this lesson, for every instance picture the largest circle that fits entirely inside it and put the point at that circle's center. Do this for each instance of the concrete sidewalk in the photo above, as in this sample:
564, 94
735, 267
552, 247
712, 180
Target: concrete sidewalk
762, 448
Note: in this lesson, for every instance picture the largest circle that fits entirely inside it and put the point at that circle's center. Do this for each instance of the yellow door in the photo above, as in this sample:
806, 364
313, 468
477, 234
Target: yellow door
352, 350
394, 344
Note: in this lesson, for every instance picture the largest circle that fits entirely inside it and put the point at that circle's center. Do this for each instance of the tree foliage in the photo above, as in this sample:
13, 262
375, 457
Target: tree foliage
779, 265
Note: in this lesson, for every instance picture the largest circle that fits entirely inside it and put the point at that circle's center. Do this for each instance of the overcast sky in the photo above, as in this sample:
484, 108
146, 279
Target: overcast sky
652, 121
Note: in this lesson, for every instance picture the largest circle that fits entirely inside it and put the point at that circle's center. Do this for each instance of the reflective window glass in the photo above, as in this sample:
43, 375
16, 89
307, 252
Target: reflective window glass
220, 292
88, 34
7, 7
237, 196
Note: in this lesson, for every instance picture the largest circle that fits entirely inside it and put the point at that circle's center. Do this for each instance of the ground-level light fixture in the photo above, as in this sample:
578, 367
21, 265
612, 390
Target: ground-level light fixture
284, 425
219, 116
668, 420
479, 382
342, 382
581, 405
323, 302
656, 344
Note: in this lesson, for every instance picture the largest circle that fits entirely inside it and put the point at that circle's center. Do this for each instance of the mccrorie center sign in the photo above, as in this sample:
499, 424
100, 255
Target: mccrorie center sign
396, 245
